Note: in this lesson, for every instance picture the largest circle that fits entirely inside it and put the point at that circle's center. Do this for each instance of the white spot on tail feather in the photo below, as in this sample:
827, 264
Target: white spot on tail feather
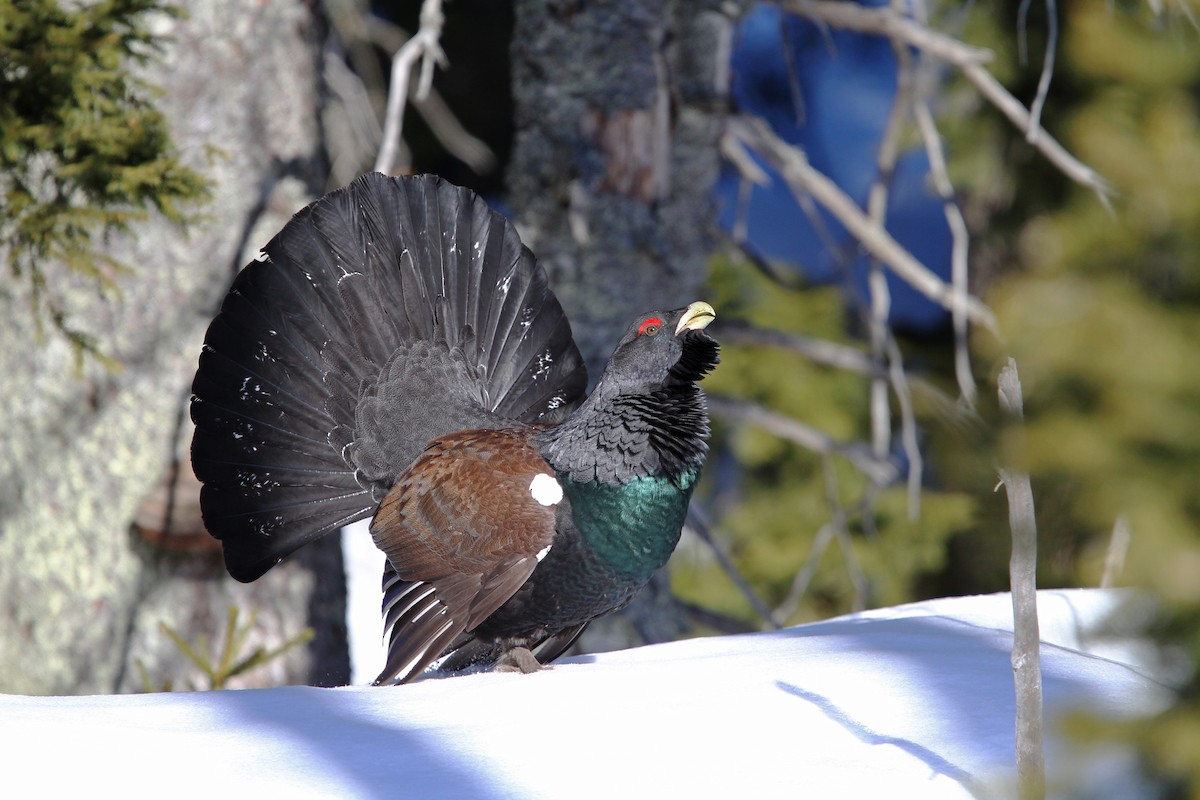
542, 553
545, 490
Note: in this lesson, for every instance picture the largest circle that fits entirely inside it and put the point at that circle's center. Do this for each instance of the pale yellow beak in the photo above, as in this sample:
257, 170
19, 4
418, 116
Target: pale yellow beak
697, 317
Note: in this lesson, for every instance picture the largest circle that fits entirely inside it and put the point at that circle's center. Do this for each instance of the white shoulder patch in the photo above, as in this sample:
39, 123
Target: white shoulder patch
545, 489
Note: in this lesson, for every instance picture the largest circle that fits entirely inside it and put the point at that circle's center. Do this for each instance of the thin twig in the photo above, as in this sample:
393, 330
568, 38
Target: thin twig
1118, 548
839, 356
885, 21
1185, 8
701, 525
1043, 90
458, 141
819, 351
803, 179
750, 175
837, 528
805, 574
734, 149
780, 275
959, 245
423, 46
858, 578
908, 426
878, 471
1049, 147
877, 202
1026, 658
353, 129
722, 623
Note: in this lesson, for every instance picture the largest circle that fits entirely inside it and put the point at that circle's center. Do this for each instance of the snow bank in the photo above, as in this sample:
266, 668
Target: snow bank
914, 701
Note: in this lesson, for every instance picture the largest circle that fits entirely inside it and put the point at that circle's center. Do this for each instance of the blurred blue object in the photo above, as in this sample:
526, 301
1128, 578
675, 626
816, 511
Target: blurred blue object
832, 102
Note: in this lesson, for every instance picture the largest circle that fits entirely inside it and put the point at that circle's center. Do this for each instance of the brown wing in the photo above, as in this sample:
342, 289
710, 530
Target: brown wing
463, 531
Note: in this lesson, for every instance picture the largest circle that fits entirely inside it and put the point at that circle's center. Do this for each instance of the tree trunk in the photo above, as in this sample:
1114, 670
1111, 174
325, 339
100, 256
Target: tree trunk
85, 456
615, 156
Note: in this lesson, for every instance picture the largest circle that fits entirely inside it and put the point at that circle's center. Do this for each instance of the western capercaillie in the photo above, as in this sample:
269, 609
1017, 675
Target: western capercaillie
396, 352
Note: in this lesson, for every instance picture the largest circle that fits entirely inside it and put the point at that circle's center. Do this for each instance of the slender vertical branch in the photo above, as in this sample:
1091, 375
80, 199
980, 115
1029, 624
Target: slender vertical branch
1026, 656
806, 573
858, 578
959, 245
908, 426
1118, 548
877, 212
836, 528
877, 203
422, 46
1043, 90
700, 524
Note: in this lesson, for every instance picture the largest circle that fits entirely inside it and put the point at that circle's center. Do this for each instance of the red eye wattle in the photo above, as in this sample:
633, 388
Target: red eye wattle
650, 326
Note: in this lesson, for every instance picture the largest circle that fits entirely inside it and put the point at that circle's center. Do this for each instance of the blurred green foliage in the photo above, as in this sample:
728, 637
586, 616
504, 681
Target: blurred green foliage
774, 509
1101, 310
83, 152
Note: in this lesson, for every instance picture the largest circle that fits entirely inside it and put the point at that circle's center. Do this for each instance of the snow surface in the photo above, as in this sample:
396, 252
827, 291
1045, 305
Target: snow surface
364, 598
914, 701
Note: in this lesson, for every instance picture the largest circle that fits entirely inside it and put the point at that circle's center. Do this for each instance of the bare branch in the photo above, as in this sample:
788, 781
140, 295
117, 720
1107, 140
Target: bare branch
468, 149
1118, 548
352, 128
908, 426
839, 356
858, 578
805, 575
733, 148
735, 152
881, 298
803, 179
885, 21
878, 471
700, 524
837, 528
459, 142
722, 623
1054, 152
1026, 657
959, 247
1185, 8
820, 351
423, 46
1039, 101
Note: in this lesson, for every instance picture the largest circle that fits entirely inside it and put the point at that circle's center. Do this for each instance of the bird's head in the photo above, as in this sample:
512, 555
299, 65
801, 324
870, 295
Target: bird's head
663, 349
647, 415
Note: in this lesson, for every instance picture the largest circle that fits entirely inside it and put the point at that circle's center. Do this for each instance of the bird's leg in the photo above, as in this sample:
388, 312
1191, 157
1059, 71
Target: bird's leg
517, 659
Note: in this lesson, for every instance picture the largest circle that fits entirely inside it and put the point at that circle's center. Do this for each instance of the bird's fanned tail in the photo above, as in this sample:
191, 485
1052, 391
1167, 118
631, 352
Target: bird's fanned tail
383, 315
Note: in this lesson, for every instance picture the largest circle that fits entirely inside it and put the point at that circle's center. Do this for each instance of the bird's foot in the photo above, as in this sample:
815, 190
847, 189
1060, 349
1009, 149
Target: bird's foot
518, 659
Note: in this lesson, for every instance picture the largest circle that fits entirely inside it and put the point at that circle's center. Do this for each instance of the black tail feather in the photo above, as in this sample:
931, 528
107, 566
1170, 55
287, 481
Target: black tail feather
314, 389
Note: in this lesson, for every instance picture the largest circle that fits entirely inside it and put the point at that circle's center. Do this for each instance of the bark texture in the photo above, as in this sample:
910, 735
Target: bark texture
98, 545
617, 117
618, 110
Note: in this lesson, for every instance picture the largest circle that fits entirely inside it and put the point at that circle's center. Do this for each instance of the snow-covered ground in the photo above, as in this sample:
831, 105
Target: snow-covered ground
364, 598
914, 701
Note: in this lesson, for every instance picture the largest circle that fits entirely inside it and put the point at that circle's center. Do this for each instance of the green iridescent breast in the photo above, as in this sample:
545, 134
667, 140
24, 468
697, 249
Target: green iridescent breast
633, 526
